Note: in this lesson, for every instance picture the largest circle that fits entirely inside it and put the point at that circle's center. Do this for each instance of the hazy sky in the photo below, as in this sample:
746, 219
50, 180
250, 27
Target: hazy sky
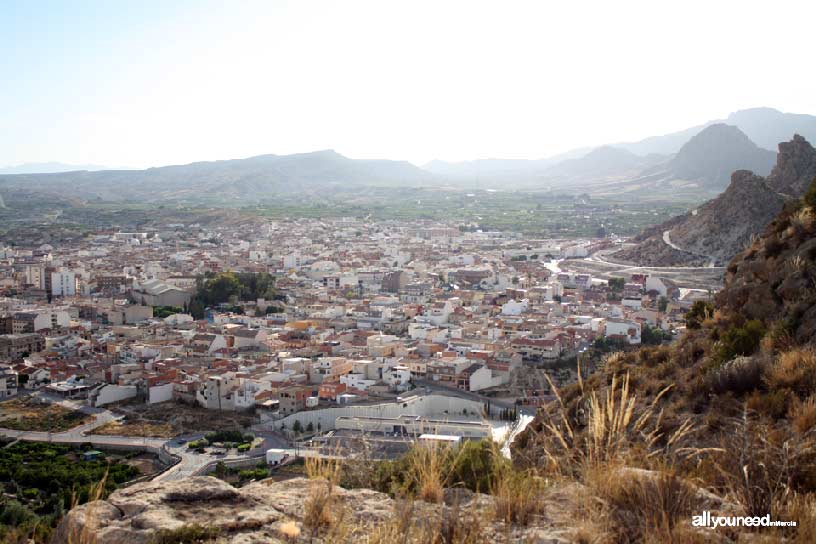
146, 83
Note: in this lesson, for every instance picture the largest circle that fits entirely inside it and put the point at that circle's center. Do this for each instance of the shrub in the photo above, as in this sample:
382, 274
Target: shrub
699, 312
739, 340
739, 375
773, 404
773, 245
761, 467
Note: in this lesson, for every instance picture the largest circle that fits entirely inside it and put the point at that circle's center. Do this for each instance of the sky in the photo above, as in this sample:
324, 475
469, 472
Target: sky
149, 83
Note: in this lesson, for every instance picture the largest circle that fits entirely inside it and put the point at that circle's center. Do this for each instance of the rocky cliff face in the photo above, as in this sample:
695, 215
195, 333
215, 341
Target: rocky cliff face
795, 167
722, 227
774, 279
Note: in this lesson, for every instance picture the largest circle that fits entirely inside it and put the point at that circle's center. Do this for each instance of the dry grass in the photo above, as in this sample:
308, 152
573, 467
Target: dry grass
322, 512
804, 219
428, 471
30, 415
443, 525
517, 496
136, 429
289, 530
608, 429
763, 468
795, 370
802, 509
803, 414
639, 506
86, 534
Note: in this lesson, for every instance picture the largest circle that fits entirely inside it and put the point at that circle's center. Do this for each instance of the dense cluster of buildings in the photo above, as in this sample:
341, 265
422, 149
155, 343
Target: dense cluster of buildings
361, 311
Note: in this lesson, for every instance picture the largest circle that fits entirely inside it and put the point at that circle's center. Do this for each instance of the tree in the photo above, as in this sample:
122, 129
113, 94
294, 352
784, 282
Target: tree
662, 304
310, 427
297, 427
699, 312
196, 309
223, 286
652, 336
616, 284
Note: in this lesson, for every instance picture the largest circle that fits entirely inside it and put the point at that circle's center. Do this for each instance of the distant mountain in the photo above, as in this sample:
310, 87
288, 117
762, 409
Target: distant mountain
720, 228
602, 163
718, 150
766, 127
49, 168
501, 169
252, 178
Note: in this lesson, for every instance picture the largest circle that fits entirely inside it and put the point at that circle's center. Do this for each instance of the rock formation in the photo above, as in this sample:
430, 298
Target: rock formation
269, 512
722, 227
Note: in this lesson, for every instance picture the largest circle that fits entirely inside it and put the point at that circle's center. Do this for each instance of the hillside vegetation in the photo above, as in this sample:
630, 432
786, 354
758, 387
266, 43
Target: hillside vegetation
723, 420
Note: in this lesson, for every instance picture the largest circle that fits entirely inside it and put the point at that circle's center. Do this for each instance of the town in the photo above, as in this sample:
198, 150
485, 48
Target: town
310, 336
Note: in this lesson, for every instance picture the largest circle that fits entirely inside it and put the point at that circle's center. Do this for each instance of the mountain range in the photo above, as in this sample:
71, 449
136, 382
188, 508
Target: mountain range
721, 228
696, 162
49, 168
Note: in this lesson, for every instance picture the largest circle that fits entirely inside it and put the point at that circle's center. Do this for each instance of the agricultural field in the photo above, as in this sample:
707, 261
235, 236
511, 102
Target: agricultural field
135, 428
41, 482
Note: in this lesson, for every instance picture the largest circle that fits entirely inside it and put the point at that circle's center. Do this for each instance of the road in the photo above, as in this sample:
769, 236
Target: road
190, 462
598, 257
668, 242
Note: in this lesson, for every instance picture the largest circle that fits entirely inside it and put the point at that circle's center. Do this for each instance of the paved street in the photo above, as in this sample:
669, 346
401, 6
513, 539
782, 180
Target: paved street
191, 462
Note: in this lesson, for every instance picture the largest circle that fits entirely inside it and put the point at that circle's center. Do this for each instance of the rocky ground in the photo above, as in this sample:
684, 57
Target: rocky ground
271, 512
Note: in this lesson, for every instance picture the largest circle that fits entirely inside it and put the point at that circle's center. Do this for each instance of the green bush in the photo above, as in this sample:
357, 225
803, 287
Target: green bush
229, 436
165, 311
244, 447
739, 340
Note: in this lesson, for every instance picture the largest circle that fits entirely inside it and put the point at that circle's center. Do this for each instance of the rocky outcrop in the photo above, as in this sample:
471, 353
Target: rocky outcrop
795, 167
275, 512
724, 226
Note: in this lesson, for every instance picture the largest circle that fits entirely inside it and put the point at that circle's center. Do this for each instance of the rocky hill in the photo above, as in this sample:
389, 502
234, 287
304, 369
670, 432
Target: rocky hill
712, 155
722, 227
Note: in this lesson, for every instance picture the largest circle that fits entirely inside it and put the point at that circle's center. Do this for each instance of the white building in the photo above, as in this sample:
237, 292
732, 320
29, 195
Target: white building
627, 329
64, 283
